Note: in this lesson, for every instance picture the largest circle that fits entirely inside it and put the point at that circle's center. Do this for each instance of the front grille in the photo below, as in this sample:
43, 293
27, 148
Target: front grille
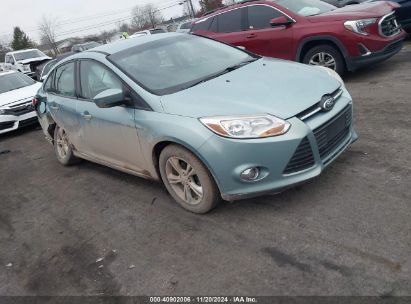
307, 113
302, 159
389, 26
396, 46
19, 110
332, 134
6, 125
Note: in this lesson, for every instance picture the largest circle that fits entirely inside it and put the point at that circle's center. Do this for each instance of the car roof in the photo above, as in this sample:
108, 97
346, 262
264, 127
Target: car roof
125, 44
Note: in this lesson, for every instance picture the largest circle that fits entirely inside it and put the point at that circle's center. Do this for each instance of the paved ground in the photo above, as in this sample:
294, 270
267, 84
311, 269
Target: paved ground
347, 232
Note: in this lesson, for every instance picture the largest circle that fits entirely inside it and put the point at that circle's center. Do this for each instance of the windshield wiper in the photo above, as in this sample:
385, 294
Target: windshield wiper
225, 71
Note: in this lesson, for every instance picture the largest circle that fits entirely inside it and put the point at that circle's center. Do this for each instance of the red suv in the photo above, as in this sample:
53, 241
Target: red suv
309, 31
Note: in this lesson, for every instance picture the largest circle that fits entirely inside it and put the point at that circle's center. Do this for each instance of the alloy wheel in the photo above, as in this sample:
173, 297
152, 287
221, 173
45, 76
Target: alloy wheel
62, 143
324, 59
184, 180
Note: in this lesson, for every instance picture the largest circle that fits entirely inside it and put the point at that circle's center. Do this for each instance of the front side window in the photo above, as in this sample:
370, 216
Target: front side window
14, 81
95, 78
170, 65
306, 7
9, 59
64, 80
259, 16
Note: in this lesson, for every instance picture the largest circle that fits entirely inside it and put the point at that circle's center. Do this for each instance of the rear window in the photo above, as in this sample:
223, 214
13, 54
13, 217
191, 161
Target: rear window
157, 31
186, 26
202, 25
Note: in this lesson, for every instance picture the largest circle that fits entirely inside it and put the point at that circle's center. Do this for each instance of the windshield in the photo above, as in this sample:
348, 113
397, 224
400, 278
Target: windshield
48, 67
306, 7
14, 81
28, 55
169, 65
186, 26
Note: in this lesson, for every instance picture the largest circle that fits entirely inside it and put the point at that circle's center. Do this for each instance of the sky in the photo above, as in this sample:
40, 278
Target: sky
75, 16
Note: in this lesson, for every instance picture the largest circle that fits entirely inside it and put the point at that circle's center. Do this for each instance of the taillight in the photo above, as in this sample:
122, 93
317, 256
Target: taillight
34, 101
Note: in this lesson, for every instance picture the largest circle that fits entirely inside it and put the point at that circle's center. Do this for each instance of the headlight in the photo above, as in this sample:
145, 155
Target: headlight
332, 73
256, 126
358, 26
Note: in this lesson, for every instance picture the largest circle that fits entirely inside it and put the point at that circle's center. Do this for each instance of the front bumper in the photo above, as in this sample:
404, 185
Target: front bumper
375, 57
10, 123
227, 158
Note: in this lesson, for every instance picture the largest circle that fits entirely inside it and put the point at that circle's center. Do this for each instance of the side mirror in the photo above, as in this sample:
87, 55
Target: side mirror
110, 98
281, 21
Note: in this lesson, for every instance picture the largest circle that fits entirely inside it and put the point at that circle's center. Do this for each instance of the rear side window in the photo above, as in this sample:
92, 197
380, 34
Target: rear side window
64, 80
230, 21
259, 16
202, 25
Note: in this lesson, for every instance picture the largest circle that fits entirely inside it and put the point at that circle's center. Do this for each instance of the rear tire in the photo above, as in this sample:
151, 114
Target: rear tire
187, 180
327, 56
63, 149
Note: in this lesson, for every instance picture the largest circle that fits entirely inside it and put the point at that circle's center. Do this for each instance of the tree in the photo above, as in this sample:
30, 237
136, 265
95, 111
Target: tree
20, 40
209, 5
146, 16
48, 35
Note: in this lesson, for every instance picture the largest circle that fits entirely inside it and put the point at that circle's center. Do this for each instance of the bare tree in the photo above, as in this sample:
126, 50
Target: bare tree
146, 16
48, 35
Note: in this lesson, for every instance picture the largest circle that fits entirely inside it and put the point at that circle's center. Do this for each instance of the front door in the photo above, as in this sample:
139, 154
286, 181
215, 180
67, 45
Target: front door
108, 134
264, 39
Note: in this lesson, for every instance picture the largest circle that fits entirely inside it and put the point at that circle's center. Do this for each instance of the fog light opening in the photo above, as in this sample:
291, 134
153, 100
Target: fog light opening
250, 174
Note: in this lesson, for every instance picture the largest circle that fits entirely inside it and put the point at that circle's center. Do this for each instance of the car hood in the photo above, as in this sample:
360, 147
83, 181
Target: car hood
358, 11
34, 59
19, 94
274, 86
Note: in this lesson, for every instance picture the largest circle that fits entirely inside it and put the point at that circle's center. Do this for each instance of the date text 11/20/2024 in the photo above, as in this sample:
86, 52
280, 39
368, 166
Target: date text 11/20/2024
203, 300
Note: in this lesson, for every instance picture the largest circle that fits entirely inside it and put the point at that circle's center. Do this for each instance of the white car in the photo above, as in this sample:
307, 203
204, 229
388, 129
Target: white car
16, 94
148, 32
25, 61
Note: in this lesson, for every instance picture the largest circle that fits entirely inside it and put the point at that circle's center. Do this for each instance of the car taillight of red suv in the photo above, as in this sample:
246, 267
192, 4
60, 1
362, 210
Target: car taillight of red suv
309, 31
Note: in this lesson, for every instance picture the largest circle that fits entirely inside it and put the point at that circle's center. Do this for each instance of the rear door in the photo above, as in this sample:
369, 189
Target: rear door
107, 134
62, 100
264, 39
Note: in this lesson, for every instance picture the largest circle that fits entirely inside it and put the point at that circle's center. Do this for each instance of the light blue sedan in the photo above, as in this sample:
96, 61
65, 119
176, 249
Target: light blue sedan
209, 120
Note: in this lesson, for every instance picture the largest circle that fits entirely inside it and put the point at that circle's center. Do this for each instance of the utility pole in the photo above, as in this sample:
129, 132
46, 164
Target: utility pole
192, 8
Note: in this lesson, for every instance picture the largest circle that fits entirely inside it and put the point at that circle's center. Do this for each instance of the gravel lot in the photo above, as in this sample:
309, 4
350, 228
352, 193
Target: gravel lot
344, 233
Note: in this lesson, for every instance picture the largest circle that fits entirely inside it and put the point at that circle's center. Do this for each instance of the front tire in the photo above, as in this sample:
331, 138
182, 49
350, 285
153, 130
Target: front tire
62, 148
327, 56
187, 180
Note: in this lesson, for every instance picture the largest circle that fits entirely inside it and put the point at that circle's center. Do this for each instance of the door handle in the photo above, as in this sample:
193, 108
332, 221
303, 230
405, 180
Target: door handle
251, 36
87, 116
54, 107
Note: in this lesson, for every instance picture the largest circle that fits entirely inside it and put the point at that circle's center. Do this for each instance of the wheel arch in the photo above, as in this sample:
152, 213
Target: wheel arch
310, 42
159, 147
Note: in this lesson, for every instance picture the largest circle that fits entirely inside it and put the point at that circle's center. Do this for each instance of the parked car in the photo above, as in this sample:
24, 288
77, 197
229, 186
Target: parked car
182, 109
148, 32
16, 93
309, 31
25, 61
84, 46
185, 26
